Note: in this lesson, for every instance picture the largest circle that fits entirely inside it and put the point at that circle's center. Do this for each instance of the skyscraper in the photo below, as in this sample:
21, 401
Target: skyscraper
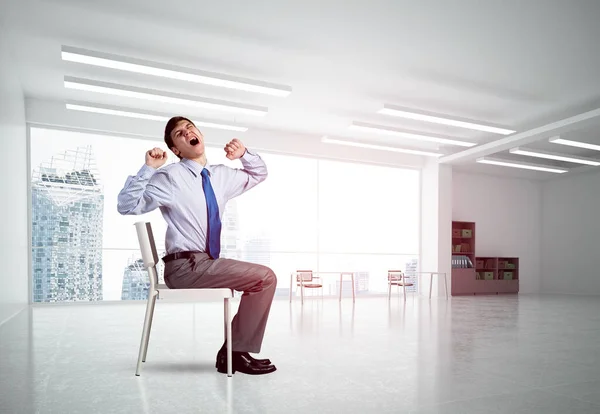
67, 204
230, 232
361, 284
257, 250
411, 269
136, 282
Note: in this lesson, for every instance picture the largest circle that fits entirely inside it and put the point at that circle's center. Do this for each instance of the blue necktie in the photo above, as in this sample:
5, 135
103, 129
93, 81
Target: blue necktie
213, 235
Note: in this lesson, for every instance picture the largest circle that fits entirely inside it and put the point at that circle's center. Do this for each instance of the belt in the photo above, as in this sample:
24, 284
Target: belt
179, 255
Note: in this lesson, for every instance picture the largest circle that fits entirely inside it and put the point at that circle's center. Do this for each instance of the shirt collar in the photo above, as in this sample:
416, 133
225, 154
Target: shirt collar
196, 168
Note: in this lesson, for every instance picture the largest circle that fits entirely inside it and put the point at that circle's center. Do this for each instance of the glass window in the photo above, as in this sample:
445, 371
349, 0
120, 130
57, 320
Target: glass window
308, 214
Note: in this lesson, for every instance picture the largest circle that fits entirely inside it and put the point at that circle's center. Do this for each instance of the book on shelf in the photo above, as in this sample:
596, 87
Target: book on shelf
462, 247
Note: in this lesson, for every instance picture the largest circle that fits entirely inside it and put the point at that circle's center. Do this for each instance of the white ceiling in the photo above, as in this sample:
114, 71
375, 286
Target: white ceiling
516, 64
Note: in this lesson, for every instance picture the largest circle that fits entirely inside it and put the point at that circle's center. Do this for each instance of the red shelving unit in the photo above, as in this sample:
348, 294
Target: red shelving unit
486, 275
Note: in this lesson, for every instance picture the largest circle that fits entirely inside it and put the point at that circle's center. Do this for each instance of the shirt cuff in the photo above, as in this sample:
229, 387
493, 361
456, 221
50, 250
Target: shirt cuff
248, 154
146, 172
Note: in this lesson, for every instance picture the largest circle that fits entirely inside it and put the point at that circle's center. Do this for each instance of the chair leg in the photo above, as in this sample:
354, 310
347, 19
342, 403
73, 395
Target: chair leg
149, 329
389, 291
145, 332
404, 289
229, 339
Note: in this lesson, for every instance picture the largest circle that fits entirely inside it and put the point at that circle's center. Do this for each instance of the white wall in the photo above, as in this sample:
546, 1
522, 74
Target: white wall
507, 214
571, 234
14, 258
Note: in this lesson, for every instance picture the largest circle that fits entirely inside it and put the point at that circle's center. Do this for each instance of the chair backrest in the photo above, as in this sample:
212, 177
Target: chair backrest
395, 275
304, 275
148, 249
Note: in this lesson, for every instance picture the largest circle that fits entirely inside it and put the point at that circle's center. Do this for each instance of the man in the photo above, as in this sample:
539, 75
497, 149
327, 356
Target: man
191, 195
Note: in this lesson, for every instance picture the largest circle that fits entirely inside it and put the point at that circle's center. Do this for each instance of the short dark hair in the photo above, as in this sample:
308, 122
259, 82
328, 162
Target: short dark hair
171, 124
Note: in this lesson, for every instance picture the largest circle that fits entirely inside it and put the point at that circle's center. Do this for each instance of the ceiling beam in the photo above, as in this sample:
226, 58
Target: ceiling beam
55, 115
525, 137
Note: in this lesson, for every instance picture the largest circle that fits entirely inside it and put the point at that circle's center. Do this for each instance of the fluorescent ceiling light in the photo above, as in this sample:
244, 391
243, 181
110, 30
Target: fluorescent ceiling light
559, 140
522, 165
128, 64
362, 126
327, 140
400, 112
108, 110
161, 96
552, 156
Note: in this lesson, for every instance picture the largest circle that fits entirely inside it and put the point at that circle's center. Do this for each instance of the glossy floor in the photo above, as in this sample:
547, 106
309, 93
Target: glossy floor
496, 354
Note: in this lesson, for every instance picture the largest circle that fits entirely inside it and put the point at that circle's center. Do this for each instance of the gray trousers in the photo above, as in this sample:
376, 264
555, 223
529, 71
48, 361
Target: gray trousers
258, 283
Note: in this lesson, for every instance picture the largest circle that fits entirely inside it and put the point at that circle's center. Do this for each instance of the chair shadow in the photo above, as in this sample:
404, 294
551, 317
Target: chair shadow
179, 367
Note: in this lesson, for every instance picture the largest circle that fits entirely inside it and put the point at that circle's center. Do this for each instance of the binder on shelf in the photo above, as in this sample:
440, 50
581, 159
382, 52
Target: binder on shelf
461, 262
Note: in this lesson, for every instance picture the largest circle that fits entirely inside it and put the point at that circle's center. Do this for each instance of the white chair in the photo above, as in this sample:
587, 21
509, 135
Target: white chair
397, 278
150, 258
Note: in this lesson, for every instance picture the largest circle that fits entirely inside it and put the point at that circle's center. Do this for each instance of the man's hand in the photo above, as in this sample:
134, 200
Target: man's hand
156, 158
235, 149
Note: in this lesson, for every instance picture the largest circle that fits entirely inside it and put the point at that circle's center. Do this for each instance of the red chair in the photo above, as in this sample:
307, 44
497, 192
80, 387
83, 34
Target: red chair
306, 279
397, 278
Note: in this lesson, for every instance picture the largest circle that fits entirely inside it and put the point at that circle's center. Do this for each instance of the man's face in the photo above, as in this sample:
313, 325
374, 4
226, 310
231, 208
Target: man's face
188, 141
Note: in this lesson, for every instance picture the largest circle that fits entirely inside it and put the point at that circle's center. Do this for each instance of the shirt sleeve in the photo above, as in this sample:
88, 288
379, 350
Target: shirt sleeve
253, 172
144, 192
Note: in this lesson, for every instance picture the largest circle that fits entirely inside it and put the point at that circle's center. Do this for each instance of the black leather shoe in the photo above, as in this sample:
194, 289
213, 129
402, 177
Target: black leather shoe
256, 361
242, 364
265, 361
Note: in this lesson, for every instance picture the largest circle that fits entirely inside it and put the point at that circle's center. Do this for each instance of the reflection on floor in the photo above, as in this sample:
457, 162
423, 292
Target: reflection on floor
494, 354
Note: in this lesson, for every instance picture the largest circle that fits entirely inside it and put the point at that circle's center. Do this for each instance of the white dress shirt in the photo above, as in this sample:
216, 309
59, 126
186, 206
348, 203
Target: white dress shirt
176, 190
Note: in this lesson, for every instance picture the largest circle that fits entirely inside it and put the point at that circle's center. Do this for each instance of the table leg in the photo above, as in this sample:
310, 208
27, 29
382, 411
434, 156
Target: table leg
430, 284
353, 294
446, 285
341, 281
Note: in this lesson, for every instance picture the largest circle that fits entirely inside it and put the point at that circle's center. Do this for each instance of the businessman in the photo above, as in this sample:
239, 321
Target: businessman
191, 195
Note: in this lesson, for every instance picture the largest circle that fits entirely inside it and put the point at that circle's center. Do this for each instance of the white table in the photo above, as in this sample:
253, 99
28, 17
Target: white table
341, 274
432, 274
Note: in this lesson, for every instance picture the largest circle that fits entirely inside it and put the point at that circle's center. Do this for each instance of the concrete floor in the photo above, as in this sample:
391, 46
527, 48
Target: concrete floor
489, 354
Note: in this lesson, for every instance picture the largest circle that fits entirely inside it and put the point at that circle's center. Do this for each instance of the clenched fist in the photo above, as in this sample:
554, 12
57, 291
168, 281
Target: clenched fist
235, 149
156, 158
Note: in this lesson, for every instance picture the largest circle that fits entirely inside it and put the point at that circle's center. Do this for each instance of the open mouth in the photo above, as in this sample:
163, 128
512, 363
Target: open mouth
194, 141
